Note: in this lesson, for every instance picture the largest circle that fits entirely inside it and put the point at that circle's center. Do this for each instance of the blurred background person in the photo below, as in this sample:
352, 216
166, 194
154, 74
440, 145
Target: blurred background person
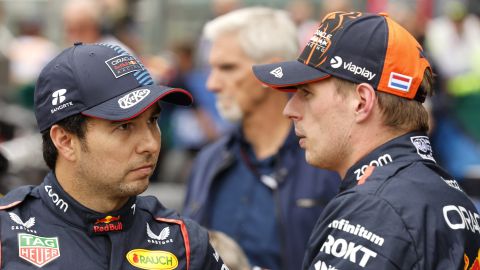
453, 44
303, 14
5, 34
82, 22
179, 143
253, 184
29, 52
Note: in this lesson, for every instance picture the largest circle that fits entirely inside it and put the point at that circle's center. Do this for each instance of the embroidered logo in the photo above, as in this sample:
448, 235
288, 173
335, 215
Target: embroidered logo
108, 224
424, 149
475, 263
22, 225
58, 96
277, 72
59, 202
336, 62
399, 81
38, 250
133, 98
123, 64
323, 266
161, 238
152, 259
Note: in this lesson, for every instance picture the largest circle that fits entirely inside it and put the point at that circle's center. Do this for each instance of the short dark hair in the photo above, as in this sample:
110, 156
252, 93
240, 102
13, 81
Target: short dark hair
75, 124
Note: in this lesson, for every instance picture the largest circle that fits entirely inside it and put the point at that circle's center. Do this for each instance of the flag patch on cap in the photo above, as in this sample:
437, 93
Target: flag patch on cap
399, 82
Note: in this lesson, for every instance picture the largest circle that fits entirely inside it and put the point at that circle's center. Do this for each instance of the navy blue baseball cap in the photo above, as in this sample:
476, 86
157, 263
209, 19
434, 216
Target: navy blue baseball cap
358, 47
101, 81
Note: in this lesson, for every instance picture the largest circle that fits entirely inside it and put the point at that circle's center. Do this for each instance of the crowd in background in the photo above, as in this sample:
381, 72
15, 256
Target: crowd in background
449, 30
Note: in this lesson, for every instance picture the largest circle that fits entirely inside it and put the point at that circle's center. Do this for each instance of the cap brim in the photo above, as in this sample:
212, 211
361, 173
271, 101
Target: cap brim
287, 75
131, 104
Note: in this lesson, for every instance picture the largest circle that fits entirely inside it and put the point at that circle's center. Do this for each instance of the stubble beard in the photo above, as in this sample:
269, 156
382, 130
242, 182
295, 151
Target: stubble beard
229, 109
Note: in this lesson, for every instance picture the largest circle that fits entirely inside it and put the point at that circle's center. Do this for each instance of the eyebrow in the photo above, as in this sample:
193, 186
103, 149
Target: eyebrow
155, 112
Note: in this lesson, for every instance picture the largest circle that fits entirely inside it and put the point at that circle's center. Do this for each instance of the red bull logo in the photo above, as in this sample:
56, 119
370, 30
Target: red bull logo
475, 264
107, 224
107, 219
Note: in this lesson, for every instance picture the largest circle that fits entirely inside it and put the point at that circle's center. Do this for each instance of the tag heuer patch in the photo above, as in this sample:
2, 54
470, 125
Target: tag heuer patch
38, 250
123, 64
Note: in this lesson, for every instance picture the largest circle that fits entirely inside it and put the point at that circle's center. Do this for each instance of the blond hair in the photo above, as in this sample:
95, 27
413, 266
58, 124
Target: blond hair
398, 113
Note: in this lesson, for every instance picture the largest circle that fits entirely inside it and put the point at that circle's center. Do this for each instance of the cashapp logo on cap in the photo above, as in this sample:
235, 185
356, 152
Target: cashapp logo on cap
58, 96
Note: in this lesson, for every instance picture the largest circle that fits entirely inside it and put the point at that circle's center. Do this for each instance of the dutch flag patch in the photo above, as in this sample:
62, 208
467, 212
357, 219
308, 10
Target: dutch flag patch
399, 82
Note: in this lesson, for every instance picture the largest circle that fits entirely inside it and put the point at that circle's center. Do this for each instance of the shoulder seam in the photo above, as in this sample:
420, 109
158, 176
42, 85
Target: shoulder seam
183, 229
8, 206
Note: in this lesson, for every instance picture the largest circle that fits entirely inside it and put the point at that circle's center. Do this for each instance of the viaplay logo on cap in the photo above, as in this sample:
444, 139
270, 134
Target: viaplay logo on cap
133, 98
336, 62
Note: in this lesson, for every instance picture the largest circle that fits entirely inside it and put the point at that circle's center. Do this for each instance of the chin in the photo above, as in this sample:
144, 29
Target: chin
309, 159
137, 187
313, 161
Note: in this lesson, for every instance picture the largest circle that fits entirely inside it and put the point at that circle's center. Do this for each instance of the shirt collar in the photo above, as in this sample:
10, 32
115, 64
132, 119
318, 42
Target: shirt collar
71, 211
414, 146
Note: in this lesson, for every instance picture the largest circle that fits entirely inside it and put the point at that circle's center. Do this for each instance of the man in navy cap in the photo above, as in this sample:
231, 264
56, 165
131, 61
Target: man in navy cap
97, 109
357, 108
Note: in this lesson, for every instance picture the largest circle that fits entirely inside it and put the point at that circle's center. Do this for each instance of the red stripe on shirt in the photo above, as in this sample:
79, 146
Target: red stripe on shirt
183, 229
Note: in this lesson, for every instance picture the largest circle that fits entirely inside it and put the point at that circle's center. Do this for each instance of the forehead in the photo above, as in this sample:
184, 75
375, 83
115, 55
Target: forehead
227, 47
152, 110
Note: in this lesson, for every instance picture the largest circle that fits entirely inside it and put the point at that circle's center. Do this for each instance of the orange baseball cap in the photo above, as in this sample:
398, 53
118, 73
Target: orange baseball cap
358, 47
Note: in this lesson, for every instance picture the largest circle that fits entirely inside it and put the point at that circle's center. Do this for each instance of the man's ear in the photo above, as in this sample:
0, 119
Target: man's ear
366, 101
64, 142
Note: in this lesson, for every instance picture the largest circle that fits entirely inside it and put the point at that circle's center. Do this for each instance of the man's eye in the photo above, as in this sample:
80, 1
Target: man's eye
305, 92
154, 119
124, 126
227, 67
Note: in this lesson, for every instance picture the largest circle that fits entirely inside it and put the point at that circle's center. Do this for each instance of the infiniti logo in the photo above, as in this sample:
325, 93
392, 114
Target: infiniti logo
58, 96
336, 62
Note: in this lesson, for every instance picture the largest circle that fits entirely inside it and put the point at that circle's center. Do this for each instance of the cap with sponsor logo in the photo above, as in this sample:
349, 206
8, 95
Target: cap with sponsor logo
101, 81
358, 47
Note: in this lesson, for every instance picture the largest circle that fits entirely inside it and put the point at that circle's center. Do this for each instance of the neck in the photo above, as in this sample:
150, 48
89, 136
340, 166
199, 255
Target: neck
370, 138
266, 128
84, 194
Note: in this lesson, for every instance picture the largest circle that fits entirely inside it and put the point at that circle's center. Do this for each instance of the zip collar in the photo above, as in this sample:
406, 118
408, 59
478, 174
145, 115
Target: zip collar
72, 212
410, 147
